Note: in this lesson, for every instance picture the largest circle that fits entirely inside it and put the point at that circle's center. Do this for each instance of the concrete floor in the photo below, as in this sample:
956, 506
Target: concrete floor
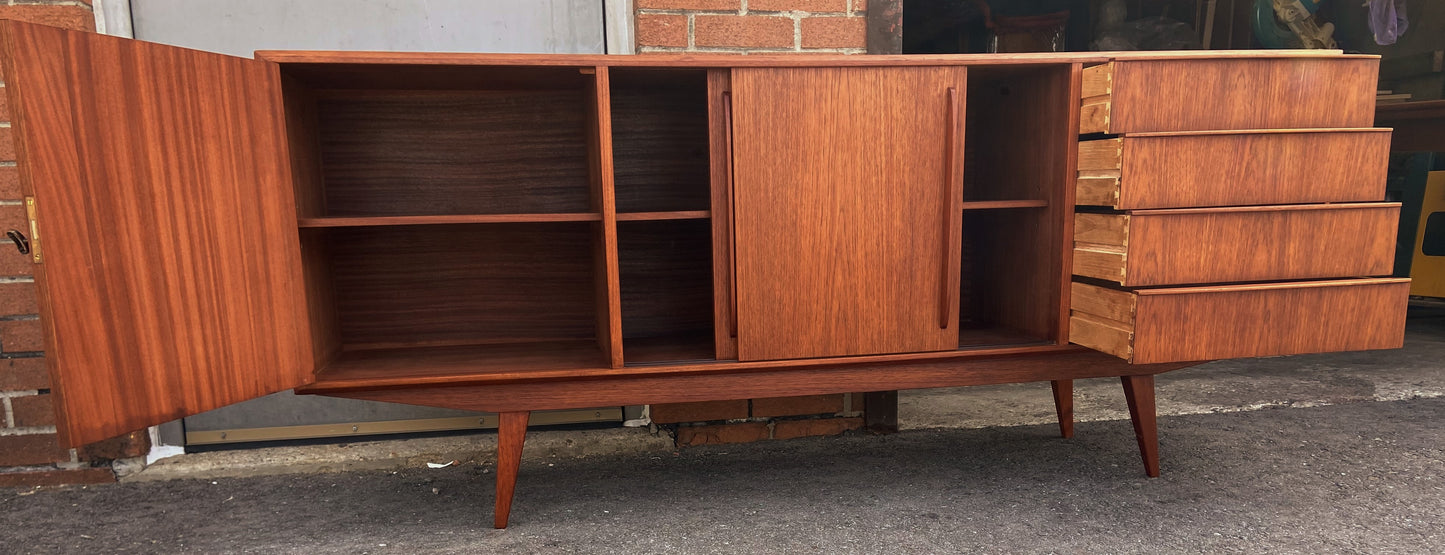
1313, 453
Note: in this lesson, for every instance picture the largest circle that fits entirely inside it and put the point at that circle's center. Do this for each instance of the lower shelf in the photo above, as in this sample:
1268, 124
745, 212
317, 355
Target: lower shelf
580, 360
973, 338
644, 351
425, 362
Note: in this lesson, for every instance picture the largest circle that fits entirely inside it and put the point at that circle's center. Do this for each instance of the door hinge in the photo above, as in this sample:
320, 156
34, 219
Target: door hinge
34, 230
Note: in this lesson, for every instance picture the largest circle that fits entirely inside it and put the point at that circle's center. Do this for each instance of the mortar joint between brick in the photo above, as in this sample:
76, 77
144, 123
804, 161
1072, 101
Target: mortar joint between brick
61, 3
656, 11
19, 393
27, 431
17, 279
691, 31
797, 33
9, 412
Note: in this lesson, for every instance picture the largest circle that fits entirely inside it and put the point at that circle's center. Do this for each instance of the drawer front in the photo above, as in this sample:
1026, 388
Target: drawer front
1233, 168
1210, 323
1224, 245
1215, 94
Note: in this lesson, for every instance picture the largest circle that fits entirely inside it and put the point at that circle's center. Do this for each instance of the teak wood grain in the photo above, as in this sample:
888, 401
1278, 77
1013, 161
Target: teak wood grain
1214, 93
564, 360
1179, 170
601, 171
659, 216
839, 228
1233, 321
1015, 278
171, 282
321, 60
660, 140
1064, 406
642, 388
666, 277
309, 185
1218, 245
464, 284
464, 152
1139, 395
511, 433
720, 176
1066, 226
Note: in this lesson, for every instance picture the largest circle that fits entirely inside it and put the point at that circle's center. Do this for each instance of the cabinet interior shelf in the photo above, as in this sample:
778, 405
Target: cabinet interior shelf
995, 204
365, 366
657, 216
372, 221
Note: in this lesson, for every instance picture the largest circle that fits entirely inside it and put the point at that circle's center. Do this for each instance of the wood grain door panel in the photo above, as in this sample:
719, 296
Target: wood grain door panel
847, 194
171, 276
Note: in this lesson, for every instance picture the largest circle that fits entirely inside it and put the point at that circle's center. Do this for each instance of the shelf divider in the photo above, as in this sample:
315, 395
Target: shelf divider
657, 216
373, 221
995, 204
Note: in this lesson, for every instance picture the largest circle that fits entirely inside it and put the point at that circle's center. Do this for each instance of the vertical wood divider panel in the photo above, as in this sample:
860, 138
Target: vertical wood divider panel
308, 179
720, 155
604, 200
1066, 195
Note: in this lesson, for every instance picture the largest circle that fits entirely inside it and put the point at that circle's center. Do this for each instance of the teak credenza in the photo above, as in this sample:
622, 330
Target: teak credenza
512, 233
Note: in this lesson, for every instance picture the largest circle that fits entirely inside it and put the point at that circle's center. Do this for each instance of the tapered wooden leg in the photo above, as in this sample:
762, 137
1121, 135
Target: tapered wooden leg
1064, 405
1139, 391
511, 433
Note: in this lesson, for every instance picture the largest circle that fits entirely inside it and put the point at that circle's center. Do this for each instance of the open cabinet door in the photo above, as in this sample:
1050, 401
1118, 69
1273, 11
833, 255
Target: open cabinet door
169, 264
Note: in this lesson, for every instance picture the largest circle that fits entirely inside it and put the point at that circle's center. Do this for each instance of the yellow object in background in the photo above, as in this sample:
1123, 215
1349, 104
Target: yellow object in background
1427, 268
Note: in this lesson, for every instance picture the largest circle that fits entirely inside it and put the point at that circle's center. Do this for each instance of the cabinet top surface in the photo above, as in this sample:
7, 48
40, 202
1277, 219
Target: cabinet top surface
766, 60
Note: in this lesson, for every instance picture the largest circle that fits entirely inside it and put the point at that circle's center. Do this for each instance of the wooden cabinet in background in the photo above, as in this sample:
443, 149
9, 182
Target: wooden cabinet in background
512, 233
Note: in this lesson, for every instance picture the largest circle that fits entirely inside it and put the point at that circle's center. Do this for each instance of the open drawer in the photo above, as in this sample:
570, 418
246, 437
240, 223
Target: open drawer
1223, 245
1233, 168
1234, 321
1202, 94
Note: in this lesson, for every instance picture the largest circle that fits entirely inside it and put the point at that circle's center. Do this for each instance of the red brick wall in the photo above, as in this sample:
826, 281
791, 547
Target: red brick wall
740, 26
749, 420
29, 451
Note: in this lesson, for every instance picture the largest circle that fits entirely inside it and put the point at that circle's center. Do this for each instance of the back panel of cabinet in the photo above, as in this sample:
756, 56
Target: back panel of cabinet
405, 141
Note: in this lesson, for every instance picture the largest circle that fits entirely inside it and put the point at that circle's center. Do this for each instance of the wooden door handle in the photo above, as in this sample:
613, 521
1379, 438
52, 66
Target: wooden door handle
952, 227
727, 97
